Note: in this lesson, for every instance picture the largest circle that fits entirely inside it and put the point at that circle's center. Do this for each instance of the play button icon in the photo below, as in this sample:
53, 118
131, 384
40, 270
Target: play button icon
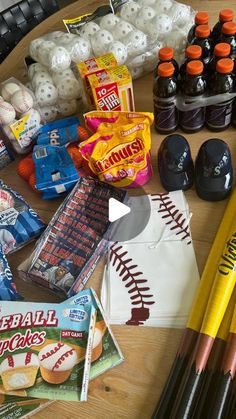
117, 210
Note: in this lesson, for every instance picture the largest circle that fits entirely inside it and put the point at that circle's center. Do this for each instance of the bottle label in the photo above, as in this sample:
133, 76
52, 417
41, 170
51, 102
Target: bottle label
192, 120
219, 116
165, 115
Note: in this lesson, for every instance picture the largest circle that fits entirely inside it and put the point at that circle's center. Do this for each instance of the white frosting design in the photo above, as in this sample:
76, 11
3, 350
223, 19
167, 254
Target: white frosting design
97, 337
18, 380
58, 357
25, 359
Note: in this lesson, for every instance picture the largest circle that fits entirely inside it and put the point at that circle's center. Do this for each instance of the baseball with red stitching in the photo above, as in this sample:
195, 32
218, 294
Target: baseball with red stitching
7, 113
56, 361
22, 101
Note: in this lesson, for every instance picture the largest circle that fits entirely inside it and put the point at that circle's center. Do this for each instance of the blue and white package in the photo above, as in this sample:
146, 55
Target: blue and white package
5, 155
55, 171
60, 132
19, 223
8, 290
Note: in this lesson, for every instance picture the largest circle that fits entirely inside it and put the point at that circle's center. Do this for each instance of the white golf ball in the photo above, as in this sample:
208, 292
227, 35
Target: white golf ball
8, 89
58, 76
35, 68
79, 49
66, 108
46, 94
180, 14
136, 72
22, 101
48, 113
34, 47
59, 59
42, 77
163, 6
119, 51
100, 41
136, 42
128, 11
69, 88
121, 30
7, 113
89, 29
109, 21
44, 51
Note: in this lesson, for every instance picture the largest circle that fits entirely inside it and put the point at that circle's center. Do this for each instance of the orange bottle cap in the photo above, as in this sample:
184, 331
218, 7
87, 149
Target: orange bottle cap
202, 31
226, 15
195, 68
202, 18
229, 28
166, 54
194, 52
225, 66
165, 70
222, 50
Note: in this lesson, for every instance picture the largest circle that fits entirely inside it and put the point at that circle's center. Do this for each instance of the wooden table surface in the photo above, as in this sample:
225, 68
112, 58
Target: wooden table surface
130, 390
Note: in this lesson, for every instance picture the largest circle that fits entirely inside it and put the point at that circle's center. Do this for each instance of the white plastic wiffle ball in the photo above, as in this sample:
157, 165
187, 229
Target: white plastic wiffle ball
89, 29
137, 61
65, 39
59, 59
46, 94
42, 77
121, 30
66, 108
48, 113
119, 51
35, 68
34, 47
136, 72
162, 6
177, 40
180, 14
146, 2
109, 21
54, 36
69, 88
128, 11
100, 41
59, 75
136, 42
159, 27
143, 17
44, 51
79, 49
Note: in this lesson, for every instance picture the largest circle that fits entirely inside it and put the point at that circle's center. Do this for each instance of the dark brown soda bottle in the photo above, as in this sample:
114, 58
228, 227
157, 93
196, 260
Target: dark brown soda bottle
201, 18
221, 50
225, 15
218, 117
164, 92
192, 52
228, 36
203, 39
166, 55
194, 85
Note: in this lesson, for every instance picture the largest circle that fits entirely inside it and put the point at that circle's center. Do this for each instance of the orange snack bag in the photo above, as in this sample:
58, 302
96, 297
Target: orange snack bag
119, 152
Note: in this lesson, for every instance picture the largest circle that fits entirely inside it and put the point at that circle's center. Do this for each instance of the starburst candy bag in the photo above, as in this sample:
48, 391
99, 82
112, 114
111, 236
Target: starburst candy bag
119, 151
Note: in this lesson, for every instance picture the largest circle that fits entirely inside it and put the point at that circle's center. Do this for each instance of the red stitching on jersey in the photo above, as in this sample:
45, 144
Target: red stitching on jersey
172, 215
133, 278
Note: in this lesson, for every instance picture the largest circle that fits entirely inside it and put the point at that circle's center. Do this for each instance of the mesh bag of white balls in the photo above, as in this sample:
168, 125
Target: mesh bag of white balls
19, 117
134, 33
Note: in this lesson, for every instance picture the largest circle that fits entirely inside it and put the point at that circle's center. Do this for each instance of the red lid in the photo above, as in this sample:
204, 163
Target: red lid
226, 15
225, 66
202, 31
194, 52
222, 50
166, 54
229, 28
165, 70
195, 68
202, 18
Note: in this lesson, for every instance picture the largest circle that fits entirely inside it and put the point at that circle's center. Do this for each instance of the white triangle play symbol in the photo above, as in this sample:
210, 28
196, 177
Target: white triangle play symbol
116, 210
